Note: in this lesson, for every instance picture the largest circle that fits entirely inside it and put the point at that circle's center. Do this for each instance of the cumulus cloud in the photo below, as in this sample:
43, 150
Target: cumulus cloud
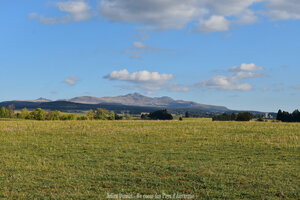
163, 14
147, 81
77, 10
233, 81
139, 77
214, 24
71, 80
246, 67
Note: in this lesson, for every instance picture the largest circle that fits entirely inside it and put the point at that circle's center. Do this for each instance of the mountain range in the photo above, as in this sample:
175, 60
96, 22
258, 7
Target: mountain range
137, 99
134, 103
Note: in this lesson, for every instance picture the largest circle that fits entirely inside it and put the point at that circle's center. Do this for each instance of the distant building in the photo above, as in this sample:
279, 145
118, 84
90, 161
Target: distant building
268, 116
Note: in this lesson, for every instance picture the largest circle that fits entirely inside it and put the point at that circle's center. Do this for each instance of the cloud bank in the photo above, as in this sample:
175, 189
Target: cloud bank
204, 15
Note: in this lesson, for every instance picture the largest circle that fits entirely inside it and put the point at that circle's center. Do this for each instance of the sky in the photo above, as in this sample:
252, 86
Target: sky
240, 54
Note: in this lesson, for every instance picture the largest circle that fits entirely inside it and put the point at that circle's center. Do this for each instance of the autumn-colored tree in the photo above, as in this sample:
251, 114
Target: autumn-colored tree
91, 115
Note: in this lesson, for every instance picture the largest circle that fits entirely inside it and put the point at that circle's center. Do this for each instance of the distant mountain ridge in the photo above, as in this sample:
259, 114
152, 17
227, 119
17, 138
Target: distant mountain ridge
133, 103
137, 99
42, 100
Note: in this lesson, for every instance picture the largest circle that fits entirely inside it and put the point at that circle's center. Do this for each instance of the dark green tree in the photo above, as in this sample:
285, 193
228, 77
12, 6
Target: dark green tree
246, 116
160, 115
187, 114
279, 115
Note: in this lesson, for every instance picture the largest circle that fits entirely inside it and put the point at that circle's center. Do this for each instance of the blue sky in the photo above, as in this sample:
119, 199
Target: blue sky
239, 54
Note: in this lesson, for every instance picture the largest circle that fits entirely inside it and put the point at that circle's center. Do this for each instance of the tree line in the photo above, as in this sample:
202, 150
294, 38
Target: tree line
245, 116
98, 114
288, 117
40, 114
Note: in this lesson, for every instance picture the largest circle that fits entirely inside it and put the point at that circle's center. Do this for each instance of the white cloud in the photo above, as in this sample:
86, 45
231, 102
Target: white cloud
246, 75
146, 81
233, 81
214, 24
246, 67
71, 80
225, 83
139, 77
77, 10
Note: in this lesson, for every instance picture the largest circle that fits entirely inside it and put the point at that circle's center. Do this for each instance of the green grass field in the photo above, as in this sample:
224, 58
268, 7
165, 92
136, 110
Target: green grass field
88, 159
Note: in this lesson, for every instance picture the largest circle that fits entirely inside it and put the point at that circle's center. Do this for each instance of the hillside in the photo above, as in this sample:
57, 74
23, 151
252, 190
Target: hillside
137, 99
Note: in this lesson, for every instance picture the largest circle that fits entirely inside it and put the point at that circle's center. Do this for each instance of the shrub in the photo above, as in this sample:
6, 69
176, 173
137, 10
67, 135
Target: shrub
260, 119
91, 115
112, 115
24, 114
68, 117
82, 118
225, 117
37, 114
118, 117
53, 115
246, 116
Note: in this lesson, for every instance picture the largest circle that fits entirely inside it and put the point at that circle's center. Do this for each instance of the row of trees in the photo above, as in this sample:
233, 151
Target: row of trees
245, 116
7, 112
40, 114
288, 117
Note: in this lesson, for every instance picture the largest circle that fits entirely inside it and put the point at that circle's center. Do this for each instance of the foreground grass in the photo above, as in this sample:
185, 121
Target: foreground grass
88, 159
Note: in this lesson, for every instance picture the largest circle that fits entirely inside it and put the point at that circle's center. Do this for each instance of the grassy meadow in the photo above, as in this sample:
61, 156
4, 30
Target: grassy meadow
89, 159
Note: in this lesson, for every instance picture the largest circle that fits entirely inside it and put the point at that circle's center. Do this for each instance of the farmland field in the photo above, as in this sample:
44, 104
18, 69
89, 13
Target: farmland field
91, 159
